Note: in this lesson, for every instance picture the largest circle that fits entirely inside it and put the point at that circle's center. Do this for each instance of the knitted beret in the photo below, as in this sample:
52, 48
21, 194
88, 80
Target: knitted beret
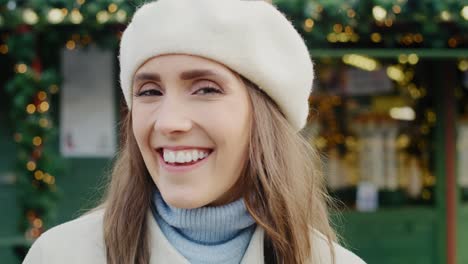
252, 38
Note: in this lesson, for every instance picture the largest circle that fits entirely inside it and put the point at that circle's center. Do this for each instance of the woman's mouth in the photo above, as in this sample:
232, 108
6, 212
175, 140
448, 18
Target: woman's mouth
182, 160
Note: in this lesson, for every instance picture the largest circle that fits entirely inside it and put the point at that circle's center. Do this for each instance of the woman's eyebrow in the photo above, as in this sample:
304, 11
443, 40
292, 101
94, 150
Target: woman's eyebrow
187, 75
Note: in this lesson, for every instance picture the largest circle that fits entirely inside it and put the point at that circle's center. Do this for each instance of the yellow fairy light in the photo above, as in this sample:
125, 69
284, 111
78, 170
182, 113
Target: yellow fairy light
388, 22
413, 59
31, 109
463, 65
402, 58
38, 175
338, 28
21, 68
102, 17
464, 12
64, 12
37, 223
42, 95
55, 16
31, 165
4, 48
18, 137
49, 179
332, 37
53, 89
71, 44
112, 8
44, 107
342, 37
362, 62
445, 15
426, 195
348, 30
431, 116
376, 37
395, 73
80, 2
121, 16
43, 122
75, 16
403, 141
396, 9
351, 13
308, 24
30, 17
418, 38
379, 13
452, 42
37, 141
355, 38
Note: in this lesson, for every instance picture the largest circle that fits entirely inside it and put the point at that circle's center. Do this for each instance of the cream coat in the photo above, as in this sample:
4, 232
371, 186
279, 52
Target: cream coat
81, 241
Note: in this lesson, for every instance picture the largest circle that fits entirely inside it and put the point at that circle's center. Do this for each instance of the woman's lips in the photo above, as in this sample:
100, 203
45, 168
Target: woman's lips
181, 167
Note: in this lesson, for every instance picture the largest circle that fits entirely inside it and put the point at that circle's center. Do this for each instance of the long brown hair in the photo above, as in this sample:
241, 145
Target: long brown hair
284, 190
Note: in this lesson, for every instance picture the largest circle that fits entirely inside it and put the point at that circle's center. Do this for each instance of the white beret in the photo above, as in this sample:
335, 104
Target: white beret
252, 38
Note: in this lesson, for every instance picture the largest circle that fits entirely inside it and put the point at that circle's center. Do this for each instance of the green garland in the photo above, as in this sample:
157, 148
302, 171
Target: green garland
25, 25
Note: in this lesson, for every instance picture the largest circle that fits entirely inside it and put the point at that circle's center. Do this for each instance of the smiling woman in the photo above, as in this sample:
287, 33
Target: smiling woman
213, 168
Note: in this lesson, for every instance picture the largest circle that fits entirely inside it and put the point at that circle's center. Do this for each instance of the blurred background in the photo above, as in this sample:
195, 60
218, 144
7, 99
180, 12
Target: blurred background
389, 114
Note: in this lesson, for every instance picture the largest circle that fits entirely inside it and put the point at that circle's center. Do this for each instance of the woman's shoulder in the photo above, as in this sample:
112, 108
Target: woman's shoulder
81, 237
322, 252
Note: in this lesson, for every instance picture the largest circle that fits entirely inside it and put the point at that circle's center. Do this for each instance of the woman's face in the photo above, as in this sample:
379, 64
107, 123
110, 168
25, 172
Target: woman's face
191, 120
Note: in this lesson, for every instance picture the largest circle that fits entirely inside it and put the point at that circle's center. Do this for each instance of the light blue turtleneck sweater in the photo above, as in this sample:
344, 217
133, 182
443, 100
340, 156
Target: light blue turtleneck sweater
208, 234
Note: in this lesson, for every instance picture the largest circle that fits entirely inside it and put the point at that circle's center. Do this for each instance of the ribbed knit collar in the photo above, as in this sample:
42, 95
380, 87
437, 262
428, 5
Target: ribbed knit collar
207, 234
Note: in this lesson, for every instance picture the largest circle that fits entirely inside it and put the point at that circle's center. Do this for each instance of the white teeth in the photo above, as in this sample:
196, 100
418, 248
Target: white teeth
183, 156
195, 155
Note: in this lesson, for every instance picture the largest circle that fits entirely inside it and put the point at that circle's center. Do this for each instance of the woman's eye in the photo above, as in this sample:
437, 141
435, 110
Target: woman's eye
208, 90
151, 92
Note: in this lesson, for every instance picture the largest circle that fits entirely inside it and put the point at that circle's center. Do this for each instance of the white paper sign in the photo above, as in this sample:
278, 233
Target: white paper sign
360, 82
87, 115
367, 197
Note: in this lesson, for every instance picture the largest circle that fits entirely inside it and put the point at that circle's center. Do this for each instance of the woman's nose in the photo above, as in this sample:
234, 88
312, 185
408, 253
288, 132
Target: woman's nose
173, 117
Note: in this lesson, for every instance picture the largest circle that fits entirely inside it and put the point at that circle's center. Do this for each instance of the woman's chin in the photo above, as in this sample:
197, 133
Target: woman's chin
184, 201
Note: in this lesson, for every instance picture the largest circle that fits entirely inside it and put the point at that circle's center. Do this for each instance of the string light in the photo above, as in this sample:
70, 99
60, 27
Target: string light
361, 62
396, 9
379, 13
70, 44
445, 15
30, 17
21, 68
413, 59
463, 65
80, 2
121, 16
44, 122
308, 24
464, 12
76, 17
376, 37
55, 16
53, 89
112, 8
4, 48
38, 175
395, 73
31, 165
42, 95
44, 107
37, 141
18, 137
102, 17
30, 109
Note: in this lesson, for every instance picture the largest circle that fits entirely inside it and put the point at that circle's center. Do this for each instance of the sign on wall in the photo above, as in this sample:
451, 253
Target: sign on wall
87, 108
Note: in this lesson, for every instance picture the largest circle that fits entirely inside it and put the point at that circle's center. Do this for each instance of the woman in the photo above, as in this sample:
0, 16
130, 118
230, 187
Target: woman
213, 169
